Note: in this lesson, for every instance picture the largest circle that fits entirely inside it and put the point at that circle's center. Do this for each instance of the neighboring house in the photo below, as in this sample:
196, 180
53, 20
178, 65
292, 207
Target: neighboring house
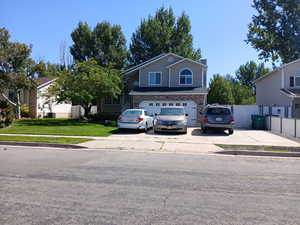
46, 105
281, 87
165, 80
39, 105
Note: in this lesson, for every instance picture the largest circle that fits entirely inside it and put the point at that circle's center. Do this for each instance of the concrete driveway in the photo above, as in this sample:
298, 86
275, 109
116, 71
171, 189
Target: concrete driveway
192, 142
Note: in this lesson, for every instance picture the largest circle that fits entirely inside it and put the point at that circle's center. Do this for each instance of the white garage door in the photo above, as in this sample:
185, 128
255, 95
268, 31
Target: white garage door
190, 108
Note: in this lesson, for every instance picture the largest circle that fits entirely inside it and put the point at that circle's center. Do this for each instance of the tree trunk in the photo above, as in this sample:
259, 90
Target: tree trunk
18, 105
87, 110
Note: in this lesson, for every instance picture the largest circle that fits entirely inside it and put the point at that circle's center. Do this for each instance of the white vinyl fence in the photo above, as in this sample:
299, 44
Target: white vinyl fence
285, 126
242, 114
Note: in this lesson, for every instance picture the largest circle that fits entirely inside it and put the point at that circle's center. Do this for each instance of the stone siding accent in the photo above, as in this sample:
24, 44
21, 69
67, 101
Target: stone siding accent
200, 100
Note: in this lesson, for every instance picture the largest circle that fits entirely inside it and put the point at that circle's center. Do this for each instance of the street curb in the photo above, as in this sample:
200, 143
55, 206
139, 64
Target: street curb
38, 144
257, 148
260, 153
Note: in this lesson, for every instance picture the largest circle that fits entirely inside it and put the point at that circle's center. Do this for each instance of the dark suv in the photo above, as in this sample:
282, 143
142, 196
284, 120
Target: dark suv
216, 116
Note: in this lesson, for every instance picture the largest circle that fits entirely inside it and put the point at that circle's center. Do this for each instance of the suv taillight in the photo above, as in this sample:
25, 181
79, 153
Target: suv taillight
120, 118
205, 120
231, 120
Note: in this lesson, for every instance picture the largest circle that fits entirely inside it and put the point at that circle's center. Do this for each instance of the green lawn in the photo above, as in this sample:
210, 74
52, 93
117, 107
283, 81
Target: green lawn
59, 140
57, 127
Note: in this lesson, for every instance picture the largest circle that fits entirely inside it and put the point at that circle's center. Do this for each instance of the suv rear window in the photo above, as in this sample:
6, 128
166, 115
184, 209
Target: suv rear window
218, 111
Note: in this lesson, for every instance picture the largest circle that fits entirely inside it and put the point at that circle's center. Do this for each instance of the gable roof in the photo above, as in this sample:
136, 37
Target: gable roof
44, 81
278, 69
186, 59
156, 58
143, 63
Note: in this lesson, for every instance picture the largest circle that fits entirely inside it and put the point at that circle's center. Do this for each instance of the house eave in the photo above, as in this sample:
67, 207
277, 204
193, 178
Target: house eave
46, 84
278, 69
187, 59
135, 93
142, 65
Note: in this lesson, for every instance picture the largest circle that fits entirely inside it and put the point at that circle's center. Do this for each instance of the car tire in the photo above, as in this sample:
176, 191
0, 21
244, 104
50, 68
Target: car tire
230, 131
147, 128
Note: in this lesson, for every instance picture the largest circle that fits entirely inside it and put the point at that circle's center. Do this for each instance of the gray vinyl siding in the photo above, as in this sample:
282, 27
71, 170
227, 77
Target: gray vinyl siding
290, 70
268, 91
161, 66
196, 70
158, 66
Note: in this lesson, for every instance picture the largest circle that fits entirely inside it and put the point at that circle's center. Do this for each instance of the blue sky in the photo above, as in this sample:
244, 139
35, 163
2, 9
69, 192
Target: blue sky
219, 27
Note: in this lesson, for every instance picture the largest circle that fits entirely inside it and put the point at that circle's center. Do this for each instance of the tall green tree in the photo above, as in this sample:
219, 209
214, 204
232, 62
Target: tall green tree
250, 71
16, 69
275, 30
220, 91
162, 33
105, 43
86, 84
82, 48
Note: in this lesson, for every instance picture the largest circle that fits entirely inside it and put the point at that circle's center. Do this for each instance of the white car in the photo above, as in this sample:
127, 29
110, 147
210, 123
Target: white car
138, 119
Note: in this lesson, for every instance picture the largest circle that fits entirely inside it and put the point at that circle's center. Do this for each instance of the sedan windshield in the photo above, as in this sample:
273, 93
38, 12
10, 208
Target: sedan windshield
218, 111
171, 111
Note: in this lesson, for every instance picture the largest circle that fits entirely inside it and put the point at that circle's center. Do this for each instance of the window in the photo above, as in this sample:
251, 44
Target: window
150, 104
171, 111
218, 111
184, 104
177, 104
164, 104
292, 82
132, 113
157, 104
154, 78
297, 81
186, 77
171, 104
146, 113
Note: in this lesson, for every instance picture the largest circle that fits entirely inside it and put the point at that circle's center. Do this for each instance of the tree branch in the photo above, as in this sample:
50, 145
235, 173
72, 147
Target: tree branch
7, 99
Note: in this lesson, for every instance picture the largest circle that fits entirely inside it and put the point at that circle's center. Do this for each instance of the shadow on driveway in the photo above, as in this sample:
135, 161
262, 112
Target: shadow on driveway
210, 132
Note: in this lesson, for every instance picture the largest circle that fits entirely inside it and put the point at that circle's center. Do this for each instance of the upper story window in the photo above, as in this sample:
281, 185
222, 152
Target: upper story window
154, 78
186, 77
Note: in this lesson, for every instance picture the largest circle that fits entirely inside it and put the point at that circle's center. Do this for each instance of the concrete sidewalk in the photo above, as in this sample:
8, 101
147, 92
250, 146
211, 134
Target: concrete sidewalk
193, 142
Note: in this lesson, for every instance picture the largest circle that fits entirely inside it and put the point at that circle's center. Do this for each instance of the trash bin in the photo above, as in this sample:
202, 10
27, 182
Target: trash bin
258, 122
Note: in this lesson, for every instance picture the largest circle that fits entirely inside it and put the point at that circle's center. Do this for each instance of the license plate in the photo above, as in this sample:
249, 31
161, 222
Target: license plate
219, 119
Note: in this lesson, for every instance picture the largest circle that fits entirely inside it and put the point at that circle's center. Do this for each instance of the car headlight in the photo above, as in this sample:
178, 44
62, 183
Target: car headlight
181, 122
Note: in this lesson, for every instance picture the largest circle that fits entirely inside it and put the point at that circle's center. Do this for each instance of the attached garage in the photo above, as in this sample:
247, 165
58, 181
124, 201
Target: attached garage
190, 108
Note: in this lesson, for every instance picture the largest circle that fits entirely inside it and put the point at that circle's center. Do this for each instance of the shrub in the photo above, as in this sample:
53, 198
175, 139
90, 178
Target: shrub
7, 114
25, 111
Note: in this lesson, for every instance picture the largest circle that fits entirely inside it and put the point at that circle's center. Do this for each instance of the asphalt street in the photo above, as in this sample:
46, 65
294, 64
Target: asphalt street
43, 186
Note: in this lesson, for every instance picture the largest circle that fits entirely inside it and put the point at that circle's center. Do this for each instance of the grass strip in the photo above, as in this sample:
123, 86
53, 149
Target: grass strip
67, 127
56, 140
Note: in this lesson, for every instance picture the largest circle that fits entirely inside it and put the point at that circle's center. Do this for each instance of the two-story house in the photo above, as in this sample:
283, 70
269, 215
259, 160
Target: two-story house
281, 87
166, 80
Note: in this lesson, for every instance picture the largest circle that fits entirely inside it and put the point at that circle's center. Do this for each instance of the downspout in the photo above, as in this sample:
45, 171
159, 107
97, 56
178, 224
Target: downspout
282, 77
169, 77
